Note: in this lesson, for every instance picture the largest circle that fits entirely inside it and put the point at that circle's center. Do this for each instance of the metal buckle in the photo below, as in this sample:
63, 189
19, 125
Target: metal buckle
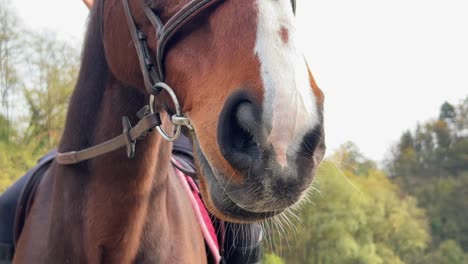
127, 127
178, 120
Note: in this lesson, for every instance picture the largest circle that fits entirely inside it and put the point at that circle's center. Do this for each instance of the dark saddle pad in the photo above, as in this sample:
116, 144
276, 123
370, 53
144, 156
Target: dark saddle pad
14, 205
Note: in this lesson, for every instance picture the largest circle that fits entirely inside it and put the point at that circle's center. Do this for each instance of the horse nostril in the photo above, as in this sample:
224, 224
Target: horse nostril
238, 132
245, 117
312, 141
243, 126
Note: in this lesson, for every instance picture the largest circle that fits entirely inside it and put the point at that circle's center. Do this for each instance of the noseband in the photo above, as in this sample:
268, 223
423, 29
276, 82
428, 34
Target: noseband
154, 80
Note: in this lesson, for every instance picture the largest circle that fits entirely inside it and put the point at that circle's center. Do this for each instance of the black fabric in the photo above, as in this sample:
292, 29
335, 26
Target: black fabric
243, 243
6, 253
15, 201
8, 203
27, 195
182, 151
182, 145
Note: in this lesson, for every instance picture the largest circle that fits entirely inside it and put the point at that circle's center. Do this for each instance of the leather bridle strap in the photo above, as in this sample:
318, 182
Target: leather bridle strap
150, 76
154, 73
127, 138
176, 22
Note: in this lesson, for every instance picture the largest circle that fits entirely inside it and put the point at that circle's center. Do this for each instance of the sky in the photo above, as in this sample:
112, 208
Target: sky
383, 65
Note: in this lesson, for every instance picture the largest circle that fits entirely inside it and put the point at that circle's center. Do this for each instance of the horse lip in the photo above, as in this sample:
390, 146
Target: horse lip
269, 205
241, 196
219, 194
221, 200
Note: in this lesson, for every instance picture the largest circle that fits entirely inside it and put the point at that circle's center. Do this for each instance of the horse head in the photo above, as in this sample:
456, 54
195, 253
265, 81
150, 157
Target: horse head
255, 111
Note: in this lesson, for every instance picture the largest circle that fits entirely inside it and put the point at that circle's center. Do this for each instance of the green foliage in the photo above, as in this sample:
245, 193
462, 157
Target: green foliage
4, 129
356, 218
431, 163
48, 91
17, 160
448, 252
272, 259
447, 222
350, 158
437, 148
9, 58
447, 112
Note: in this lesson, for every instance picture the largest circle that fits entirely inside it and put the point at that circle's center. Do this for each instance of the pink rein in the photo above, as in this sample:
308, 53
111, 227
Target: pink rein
200, 211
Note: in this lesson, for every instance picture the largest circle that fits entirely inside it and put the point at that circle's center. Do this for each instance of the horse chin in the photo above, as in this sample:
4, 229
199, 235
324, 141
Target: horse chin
217, 200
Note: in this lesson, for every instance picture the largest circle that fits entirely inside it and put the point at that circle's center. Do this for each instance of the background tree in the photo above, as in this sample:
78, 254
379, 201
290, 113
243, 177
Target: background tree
447, 252
9, 54
431, 163
55, 67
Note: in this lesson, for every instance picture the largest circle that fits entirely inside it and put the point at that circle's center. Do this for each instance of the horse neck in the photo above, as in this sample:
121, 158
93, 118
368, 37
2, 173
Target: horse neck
117, 193
107, 199
95, 115
120, 191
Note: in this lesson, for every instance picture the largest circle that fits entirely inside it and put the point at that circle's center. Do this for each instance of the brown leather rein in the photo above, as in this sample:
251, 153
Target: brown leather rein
153, 74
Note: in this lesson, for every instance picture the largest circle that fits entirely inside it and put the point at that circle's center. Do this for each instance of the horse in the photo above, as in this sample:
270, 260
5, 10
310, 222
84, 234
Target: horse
226, 73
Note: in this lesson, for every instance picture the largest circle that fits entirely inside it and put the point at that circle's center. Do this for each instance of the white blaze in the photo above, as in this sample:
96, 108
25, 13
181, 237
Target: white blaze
289, 103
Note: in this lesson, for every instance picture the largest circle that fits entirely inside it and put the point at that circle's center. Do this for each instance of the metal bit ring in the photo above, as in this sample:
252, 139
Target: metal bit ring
178, 120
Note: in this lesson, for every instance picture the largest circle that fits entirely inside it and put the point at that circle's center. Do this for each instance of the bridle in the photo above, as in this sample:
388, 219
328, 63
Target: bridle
154, 80
153, 72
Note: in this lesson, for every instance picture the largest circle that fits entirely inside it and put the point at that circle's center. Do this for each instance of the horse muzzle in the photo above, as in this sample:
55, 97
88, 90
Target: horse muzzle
268, 184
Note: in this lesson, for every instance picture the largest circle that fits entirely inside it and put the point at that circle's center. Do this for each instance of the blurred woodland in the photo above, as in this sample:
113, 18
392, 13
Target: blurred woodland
37, 75
411, 209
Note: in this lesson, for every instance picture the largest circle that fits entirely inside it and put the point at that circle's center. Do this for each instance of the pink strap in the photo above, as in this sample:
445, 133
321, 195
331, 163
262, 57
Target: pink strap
203, 217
